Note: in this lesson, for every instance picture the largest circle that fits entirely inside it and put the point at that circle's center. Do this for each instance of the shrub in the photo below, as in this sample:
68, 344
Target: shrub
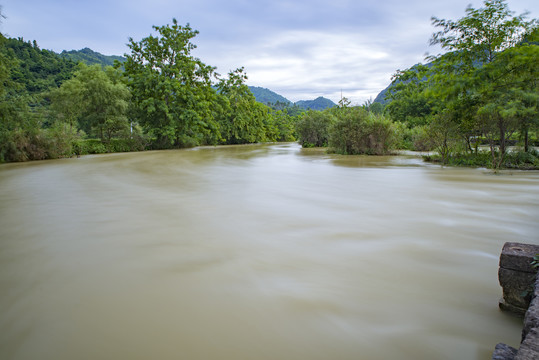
421, 139
360, 132
126, 145
313, 128
94, 146
512, 160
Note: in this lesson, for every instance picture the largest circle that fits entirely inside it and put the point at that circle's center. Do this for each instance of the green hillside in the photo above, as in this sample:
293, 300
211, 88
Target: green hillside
381, 97
91, 57
36, 69
320, 103
266, 96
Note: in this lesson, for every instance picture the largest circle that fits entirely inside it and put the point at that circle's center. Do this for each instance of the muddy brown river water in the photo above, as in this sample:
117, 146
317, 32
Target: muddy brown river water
256, 252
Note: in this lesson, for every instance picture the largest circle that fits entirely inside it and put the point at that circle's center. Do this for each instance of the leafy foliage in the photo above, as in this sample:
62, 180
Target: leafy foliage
95, 101
163, 97
313, 128
243, 119
22, 136
357, 131
38, 70
172, 90
485, 84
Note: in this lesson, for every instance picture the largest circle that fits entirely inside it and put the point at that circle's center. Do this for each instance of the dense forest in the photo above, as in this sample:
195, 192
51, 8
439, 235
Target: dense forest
158, 97
481, 92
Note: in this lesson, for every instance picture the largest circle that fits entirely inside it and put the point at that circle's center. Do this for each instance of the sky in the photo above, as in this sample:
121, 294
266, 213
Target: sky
300, 49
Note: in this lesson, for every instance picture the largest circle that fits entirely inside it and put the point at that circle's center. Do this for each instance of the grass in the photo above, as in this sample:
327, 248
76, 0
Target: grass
513, 160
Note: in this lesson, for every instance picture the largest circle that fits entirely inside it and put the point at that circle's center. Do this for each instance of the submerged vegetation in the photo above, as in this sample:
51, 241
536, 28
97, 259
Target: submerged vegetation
481, 92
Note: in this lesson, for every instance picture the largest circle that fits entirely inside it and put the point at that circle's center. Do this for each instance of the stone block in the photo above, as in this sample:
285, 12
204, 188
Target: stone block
516, 256
514, 310
517, 287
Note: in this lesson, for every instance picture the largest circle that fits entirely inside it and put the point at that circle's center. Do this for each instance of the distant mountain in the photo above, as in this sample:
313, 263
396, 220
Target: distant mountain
320, 103
91, 57
266, 96
381, 97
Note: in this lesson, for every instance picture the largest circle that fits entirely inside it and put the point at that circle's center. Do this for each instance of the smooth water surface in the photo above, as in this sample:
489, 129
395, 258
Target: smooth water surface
256, 252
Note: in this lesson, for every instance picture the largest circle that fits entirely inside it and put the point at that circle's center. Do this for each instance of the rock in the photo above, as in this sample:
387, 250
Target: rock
504, 352
529, 348
531, 320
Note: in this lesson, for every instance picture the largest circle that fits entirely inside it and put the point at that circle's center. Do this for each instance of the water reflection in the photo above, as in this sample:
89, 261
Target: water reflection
257, 251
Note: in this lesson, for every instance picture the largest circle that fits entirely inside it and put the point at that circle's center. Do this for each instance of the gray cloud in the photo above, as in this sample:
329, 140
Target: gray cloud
300, 49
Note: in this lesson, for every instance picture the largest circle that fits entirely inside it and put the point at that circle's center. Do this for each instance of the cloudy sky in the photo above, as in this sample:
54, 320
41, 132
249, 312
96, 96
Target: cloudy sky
300, 49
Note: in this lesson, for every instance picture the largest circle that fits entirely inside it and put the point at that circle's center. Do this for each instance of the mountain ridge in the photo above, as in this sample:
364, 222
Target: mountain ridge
91, 57
269, 97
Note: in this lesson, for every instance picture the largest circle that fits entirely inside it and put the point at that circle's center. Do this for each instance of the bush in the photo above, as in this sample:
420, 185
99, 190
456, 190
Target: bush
360, 132
522, 160
35, 144
94, 146
512, 160
126, 145
421, 139
313, 128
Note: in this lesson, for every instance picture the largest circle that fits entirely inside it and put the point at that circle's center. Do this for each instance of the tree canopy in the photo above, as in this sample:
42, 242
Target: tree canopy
484, 84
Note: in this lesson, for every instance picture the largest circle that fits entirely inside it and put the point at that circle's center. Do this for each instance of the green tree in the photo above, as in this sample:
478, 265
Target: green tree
313, 128
66, 103
467, 78
96, 101
38, 70
243, 119
17, 125
171, 89
286, 125
444, 133
409, 103
515, 75
357, 131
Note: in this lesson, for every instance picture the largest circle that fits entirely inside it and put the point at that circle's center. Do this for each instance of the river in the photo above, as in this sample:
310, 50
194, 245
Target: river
256, 252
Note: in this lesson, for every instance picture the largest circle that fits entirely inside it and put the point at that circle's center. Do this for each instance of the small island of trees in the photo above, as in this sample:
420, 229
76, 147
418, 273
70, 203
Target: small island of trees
481, 92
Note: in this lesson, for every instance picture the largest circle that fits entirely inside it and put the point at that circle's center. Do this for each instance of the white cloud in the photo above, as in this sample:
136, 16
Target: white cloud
298, 48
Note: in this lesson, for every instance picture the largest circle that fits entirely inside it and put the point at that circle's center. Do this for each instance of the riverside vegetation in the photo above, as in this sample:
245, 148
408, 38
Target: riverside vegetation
481, 91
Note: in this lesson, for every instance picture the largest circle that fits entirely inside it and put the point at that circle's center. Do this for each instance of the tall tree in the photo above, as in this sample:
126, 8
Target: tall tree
171, 89
409, 102
93, 99
464, 77
243, 119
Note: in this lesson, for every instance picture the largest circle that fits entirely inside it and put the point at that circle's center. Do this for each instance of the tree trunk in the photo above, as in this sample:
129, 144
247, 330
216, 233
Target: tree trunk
526, 140
501, 126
